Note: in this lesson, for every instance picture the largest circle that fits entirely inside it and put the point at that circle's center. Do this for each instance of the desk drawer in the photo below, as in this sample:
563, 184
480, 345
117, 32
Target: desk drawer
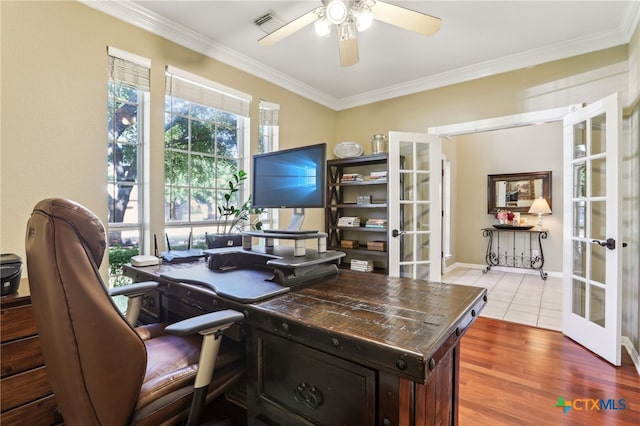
21, 355
17, 322
319, 387
24, 387
43, 411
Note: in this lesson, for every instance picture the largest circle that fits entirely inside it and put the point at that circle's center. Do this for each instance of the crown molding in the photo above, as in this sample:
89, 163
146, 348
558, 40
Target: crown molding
140, 17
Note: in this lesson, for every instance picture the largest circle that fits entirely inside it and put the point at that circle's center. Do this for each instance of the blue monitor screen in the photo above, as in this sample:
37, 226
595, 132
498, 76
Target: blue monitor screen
293, 178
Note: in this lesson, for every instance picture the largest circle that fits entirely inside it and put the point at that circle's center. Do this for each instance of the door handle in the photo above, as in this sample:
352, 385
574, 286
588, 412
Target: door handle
396, 233
610, 243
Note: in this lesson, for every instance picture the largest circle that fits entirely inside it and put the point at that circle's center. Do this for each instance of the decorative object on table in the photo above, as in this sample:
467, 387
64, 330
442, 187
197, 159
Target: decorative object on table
231, 219
348, 149
378, 144
504, 217
540, 207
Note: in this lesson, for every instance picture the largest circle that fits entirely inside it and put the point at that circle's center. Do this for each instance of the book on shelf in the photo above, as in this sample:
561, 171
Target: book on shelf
376, 223
361, 265
352, 177
349, 221
378, 175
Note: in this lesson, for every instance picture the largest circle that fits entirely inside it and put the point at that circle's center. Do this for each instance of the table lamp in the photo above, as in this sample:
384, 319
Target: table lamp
540, 207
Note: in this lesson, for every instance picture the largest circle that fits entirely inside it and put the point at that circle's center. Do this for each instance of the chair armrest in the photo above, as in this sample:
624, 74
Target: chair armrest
205, 324
210, 326
132, 290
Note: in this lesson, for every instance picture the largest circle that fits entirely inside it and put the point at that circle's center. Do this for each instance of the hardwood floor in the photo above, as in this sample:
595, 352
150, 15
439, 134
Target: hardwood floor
513, 374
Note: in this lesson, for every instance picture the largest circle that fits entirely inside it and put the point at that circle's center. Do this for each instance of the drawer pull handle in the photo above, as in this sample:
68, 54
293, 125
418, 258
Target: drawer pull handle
308, 395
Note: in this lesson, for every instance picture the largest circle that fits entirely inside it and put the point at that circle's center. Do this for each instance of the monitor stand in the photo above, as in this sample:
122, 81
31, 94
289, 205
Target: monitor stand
295, 226
296, 220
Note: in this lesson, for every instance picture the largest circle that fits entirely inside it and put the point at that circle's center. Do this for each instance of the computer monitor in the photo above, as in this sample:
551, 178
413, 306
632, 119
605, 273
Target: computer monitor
291, 178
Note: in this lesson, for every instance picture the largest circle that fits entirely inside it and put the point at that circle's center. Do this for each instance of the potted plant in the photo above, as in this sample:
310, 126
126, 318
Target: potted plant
232, 218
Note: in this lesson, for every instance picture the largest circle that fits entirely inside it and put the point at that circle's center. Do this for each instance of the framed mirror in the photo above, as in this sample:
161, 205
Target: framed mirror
516, 191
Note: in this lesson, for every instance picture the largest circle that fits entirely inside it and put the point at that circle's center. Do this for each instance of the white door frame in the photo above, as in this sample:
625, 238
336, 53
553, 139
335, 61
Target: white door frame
499, 123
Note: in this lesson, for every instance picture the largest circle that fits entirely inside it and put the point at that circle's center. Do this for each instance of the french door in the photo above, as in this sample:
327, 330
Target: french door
414, 177
592, 263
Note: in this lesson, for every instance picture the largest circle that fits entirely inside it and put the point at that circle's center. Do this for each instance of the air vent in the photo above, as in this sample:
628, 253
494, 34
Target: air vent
269, 22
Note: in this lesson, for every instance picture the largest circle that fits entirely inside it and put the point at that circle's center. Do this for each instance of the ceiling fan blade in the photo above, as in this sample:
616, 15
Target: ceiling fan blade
407, 19
348, 51
287, 29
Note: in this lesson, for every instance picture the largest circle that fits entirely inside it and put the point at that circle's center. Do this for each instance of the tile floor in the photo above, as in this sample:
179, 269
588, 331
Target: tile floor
516, 297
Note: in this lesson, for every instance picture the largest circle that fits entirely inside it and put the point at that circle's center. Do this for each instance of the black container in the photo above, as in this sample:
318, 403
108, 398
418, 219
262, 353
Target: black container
11, 267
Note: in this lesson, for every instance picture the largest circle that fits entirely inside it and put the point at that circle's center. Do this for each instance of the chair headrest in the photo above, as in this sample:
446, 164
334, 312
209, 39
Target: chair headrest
88, 226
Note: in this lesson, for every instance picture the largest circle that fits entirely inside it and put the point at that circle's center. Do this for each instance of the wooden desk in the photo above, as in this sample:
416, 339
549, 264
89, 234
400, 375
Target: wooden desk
356, 348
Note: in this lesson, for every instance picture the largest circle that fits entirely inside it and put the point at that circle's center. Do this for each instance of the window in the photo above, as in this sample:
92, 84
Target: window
268, 140
128, 94
206, 134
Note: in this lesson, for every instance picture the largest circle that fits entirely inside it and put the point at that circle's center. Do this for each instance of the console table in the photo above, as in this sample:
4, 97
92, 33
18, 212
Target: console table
517, 248
351, 348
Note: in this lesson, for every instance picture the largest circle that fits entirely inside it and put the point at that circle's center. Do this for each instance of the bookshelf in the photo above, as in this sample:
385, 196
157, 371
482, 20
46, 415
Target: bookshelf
357, 211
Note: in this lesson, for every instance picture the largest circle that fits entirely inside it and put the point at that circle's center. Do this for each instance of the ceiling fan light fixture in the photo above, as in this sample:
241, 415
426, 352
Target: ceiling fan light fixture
337, 12
363, 18
322, 27
347, 30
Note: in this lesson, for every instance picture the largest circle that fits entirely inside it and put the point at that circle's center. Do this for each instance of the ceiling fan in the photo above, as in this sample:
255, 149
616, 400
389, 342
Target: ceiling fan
351, 16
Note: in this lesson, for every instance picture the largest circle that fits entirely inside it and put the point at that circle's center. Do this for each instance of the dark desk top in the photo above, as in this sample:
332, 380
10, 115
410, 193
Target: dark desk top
412, 318
371, 318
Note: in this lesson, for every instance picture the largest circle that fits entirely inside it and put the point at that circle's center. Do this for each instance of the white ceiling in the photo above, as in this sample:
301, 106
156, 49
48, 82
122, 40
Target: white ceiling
476, 39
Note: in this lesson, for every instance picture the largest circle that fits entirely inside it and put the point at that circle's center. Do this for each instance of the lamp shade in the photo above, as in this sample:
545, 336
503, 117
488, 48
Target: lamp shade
540, 206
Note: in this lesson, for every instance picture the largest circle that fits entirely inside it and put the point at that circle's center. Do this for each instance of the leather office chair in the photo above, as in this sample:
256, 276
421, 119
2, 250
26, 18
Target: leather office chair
101, 369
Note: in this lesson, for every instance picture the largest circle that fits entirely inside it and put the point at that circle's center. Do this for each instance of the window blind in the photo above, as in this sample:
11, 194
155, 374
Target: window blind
269, 113
194, 88
127, 68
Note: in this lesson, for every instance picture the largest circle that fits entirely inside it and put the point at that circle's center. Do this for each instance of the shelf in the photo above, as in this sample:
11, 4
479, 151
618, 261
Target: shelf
363, 160
358, 228
358, 206
360, 251
359, 183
